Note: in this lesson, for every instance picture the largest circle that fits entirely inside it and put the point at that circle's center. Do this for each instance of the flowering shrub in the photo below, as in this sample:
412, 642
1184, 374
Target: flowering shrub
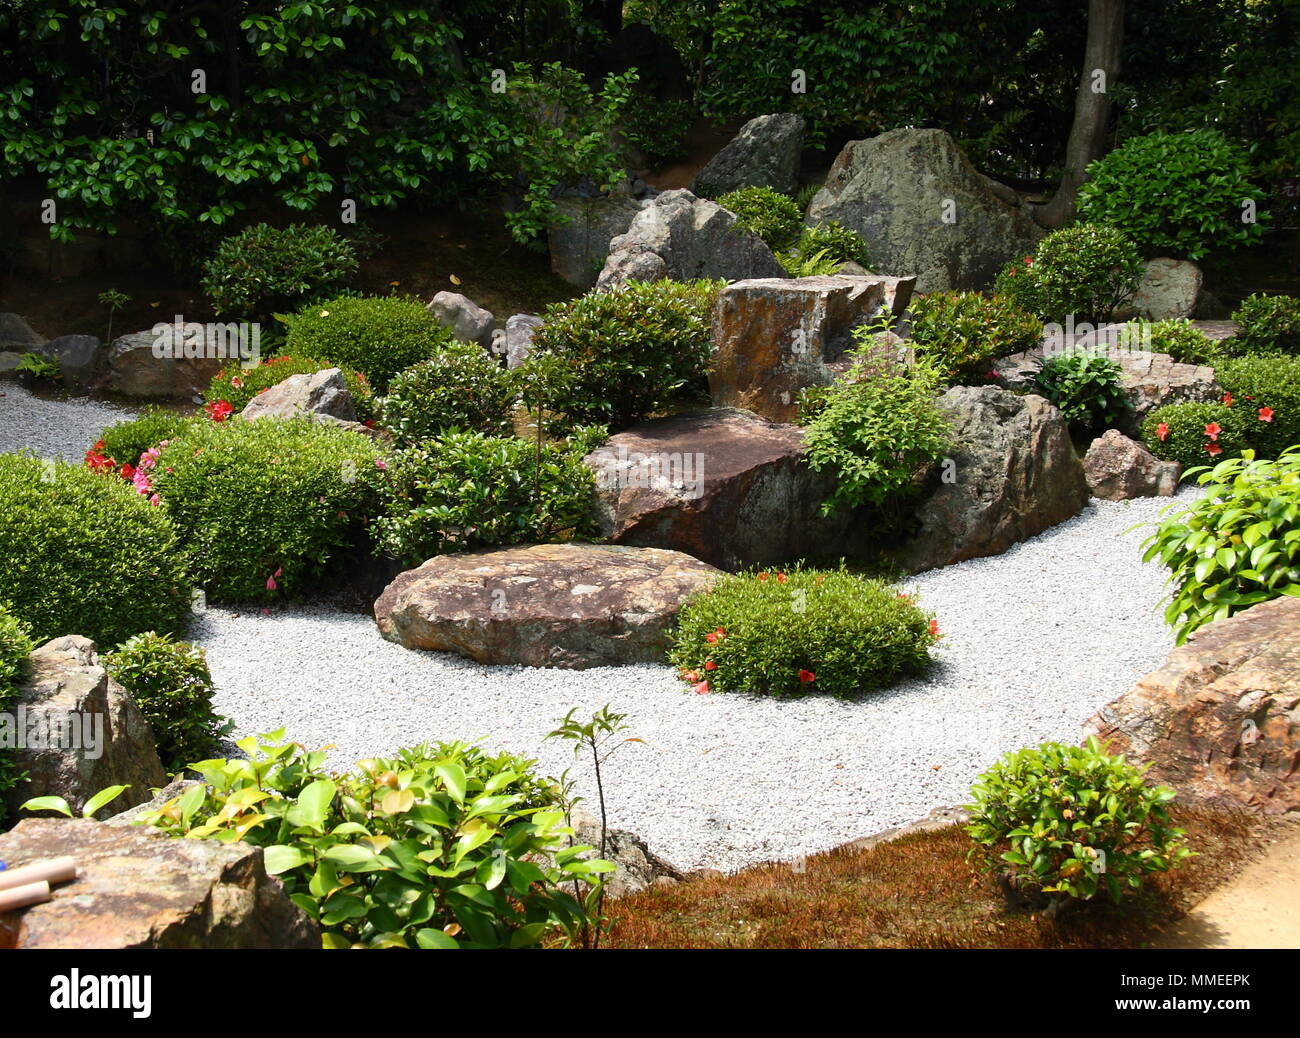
1236, 546
780, 632
82, 553
15, 644
123, 443
237, 385
263, 506
1268, 388
1068, 822
462, 388
1085, 386
961, 332
1086, 271
1269, 324
1196, 434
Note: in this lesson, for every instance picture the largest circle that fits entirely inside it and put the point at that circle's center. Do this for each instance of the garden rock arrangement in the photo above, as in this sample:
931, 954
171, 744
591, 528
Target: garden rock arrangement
1119, 468
893, 190
765, 153
556, 605
773, 337
134, 371
1014, 475
135, 888
1220, 721
66, 687
579, 239
77, 357
682, 237
740, 494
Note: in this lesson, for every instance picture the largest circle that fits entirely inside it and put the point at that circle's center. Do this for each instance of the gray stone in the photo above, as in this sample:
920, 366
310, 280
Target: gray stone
683, 237
17, 335
765, 153
321, 393
579, 240
77, 356
520, 329
1119, 468
923, 209
9, 361
136, 369
1169, 288
468, 321
638, 866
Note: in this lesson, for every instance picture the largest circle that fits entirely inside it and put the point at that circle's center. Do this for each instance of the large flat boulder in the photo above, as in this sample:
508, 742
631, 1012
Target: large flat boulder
319, 393
1014, 473
923, 209
722, 485
682, 237
1220, 721
136, 369
546, 605
765, 153
136, 888
579, 239
92, 734
16, 335
773, 337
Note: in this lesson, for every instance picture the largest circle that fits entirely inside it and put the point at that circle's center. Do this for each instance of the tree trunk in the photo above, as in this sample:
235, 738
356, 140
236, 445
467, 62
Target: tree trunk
1091, 108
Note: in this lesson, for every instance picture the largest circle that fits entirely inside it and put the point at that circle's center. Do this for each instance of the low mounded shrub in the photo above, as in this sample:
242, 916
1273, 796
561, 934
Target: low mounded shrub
1063, 823
462, 388
1195, 434
265, 269
1180, 339
82, 553
962, 332
822, 248
170, 683
1269, 324
1236, 546
124, 442
612, 358
262, 506
237, 385
1267, 389
774, 217
16, 643
801, 630
378, 336
466, 490
1086, 386
1085, 271
437, 847
1178, 193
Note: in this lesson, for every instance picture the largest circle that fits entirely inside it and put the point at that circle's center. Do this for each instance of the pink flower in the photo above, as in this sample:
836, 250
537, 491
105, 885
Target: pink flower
1162, 430
1265, 414
270, 581
702, 689
155, 500
381, 465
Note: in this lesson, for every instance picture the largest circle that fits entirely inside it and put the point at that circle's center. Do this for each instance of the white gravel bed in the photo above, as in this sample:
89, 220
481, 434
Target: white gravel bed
1035, 641
53, 428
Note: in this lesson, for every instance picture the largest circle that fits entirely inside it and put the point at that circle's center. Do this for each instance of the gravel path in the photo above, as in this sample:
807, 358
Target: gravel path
53, 428
1035, 641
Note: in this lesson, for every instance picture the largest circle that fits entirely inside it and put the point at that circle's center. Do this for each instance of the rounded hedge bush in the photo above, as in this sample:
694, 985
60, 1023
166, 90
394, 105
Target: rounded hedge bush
1196, 434
238, 385
126, 441
962, 332
1269, 324
774, 217
265, 269
82, 553
378, 336
263, 506
782, 632
15, 644
462, 388
1086, 386
1085, 272
1178, 338
1266, 390
1177, 193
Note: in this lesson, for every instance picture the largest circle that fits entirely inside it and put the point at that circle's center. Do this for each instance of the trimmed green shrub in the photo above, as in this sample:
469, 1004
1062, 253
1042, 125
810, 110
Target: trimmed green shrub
962, 332
170, 683
874, 430
466, 491
1195, 434
238, 385
802, 630
1267, 389
378, 336
1178, 338
612, 358
774, 217
15, 644
82, 553
1085, 271
263, 506
264, 269
462, 388
438, 847
1061, 823
1236, 546
1177, 193
126, 441
822, 248
1085, 385
1269, 324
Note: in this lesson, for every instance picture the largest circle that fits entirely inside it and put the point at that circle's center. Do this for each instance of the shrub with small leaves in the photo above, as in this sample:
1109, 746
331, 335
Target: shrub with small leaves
265, 269
1085, 385
1062, 823
783, 632
1085, 271
1195, 434
1236, 546
774, 217
126, 441
962, 332
238, 385
170, 683
16, 643
1178, 338
462, 388
1269, 324
1267, 390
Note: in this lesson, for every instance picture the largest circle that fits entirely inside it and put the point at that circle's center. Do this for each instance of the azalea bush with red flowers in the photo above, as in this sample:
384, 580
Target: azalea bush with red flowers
124, 443
789, 631
238, 385
1268, 388
264, 506
1197, 434
1085, 270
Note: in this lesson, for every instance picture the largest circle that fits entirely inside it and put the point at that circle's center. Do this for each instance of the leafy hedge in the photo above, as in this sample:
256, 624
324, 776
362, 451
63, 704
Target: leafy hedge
16, 643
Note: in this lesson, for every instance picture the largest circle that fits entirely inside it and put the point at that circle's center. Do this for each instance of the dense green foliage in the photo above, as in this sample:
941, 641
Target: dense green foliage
774, 217
263, 506
657, 127
462, 388
1267, 389
1179, 338
126, 441
1175, 193
1194, 434
612, 358
263, 269
466, 491
15, 644
170, 683
82, 553
802, 630
1269, 324
1085, 385
437, 847
378, 336
237, 385
1085, 271
1236, 546
962, 332
1073, 822
822, 249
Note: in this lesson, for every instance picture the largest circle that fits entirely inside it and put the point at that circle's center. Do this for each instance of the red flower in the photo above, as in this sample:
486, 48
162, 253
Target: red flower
1212, 431
691, 676
807, 677
219, 410
710, 665
934, 629
128, 472
762, 576
711, 638
780, 578
1214, 449
1265, 414
1029, 261
1227, 399
702, 689
1162, 430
